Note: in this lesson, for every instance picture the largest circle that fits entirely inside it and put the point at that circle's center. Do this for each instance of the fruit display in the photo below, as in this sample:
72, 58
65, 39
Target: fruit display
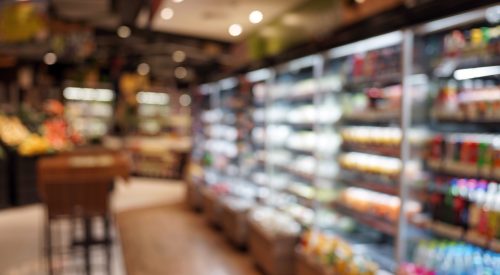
59, 135
34, 145
335, 255
12, 131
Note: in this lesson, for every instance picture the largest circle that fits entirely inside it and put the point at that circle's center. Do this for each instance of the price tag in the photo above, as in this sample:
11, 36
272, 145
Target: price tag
475, 238
447, 230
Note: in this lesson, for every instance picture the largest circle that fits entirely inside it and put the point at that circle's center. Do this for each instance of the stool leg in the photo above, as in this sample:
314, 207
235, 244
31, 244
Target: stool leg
48, 246
87, 244
108, 242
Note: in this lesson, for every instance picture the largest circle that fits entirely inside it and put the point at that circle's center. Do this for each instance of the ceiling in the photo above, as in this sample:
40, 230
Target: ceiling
212, 18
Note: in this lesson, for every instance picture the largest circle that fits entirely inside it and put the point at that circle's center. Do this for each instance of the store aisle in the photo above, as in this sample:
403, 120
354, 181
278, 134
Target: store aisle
170, 239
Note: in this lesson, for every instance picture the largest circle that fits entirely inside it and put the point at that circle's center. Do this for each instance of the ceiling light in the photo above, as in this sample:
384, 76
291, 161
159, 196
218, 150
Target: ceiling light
179, 56
359, 1
87, 94
185, 100
235, 29
177, 1
50, 58
143, 69
180, 72
152, 98
464, 74
167, 13
255, 17
123, 31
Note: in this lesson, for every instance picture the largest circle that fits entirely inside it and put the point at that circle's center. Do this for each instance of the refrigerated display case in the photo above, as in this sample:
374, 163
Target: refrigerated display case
227, 127
454, 90
153, 112
358, 107
382, 152
89, 111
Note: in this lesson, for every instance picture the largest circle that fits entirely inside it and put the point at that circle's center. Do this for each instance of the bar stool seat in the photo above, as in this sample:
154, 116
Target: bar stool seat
77, 187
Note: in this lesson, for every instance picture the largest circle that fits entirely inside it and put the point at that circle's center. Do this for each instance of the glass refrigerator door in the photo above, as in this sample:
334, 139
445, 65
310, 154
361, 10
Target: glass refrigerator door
291, 139
254, 157
359, 164
454, 89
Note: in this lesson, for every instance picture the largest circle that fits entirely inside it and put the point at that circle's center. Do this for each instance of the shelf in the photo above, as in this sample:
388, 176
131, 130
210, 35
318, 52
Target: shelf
300, 151
296, 98
359, 176
379, 223
456, 233
373, 186
377, 150
443, 171
302, 200
301, 125
380, 81
306, 176
376, 118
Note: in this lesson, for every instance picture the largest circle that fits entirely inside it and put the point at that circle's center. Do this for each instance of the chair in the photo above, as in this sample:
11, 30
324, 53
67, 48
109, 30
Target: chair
77, 187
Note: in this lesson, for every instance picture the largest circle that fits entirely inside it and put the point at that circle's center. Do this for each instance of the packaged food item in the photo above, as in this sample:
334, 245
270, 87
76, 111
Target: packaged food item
335, 255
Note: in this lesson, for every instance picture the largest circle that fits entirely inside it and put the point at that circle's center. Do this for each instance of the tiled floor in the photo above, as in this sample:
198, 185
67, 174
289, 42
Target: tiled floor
21, 229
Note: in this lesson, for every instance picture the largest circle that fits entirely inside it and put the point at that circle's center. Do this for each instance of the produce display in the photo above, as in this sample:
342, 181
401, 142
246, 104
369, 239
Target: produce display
335, 255
12, 131
34, 145
275, 223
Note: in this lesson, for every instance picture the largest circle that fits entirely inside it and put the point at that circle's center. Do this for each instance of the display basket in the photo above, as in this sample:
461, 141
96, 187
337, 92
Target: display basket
235, 225
212, 208
305, 265
274, 254
194, 196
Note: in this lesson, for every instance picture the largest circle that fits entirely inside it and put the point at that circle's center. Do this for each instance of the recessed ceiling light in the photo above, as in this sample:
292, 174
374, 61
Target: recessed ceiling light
167, 13
235, 29
143, 69
256, 17
50, 58
179, 56
180, 72
359, 1
177, 1
123, 31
